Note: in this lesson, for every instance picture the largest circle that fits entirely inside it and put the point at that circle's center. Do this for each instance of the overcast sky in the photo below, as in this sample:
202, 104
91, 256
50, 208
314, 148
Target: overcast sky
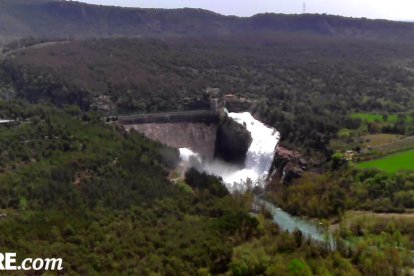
389, 9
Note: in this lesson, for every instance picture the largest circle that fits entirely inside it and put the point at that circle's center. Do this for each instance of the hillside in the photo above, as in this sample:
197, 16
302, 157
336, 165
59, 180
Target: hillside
113, 202
68, 19
303, 83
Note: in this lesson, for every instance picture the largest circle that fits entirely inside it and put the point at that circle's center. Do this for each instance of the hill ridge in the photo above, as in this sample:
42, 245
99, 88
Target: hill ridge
72, 19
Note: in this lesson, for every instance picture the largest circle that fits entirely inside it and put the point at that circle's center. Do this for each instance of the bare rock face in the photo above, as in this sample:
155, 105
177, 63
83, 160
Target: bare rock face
287, 165
232, 142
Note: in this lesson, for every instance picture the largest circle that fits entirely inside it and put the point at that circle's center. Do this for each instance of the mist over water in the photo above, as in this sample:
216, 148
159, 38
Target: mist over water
258, 159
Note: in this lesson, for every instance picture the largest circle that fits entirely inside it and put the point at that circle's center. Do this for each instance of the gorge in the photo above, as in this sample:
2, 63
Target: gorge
235, 146
261, 157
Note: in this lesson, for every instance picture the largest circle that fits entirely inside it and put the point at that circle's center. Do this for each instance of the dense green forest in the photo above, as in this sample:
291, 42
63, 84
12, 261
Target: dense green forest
305, 86
76, 188
108, 202
333, 193
100, 199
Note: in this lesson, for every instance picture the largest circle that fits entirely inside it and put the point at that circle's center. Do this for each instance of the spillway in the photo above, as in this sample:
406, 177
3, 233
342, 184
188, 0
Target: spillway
259, 159
259, 156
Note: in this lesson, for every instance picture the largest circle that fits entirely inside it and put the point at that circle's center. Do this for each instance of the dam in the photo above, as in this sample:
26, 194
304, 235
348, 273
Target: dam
212, 135
187, 129
208, 132
195, 134
259, 156
223, 142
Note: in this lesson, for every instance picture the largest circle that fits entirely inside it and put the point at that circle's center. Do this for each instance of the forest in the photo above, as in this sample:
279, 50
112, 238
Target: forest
100, 199
307, 86
75, 186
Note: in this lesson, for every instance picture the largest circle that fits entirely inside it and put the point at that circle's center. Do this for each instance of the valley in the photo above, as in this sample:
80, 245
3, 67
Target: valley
185, 142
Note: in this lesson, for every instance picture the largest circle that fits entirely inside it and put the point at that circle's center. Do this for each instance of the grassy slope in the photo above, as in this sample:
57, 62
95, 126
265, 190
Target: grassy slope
370, 117
392, 163
373, 140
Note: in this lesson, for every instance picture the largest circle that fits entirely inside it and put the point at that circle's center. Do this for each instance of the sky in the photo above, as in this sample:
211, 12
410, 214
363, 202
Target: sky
386, 9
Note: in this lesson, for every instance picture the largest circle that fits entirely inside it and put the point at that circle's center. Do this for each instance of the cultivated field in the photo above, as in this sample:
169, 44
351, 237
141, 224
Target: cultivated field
373, 140
396, 146
392, 163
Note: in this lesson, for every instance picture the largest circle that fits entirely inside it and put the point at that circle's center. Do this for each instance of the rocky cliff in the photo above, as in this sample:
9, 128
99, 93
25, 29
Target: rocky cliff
287, 165
233, 141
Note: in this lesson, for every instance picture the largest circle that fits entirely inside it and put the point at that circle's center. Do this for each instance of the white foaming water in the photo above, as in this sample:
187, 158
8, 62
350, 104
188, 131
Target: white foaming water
185, 154
262, 149
259, 156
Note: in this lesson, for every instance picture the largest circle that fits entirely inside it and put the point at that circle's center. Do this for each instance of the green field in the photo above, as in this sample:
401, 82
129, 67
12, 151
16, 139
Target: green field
392, 163
369, 117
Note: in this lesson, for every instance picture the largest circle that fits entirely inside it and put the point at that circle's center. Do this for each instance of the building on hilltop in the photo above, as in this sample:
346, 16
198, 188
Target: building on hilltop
349, 155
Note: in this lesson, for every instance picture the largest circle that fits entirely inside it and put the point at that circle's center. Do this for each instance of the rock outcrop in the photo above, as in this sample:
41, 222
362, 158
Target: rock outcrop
232, 142
287, 165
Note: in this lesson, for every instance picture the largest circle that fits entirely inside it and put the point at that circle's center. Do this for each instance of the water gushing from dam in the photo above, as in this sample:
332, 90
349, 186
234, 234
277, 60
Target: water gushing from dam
258, 162
259, 156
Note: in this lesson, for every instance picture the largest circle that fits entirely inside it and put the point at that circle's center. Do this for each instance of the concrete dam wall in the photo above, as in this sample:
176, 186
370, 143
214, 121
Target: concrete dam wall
195, 136
210, 133
196, 130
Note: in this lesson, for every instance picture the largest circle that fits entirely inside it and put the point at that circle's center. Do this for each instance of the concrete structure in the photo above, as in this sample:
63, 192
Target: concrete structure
196, 130
349, 155
214, 104
199, 137
4, 122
